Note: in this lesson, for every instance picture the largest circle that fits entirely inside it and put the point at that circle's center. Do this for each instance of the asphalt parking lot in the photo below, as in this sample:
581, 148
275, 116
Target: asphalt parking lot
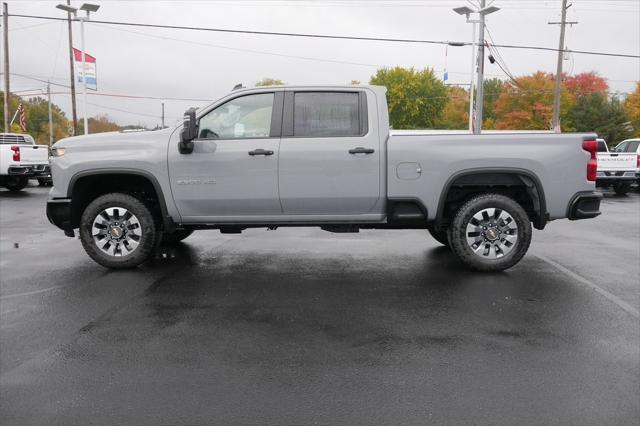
300, 326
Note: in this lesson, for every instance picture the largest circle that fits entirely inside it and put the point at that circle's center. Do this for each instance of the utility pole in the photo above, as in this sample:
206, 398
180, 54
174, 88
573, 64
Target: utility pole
72, 73
50, 117
7, 91
480, 87
163, 115
556, 92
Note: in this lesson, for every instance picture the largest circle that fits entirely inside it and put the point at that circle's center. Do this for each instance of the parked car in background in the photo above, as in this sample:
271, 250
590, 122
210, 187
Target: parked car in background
21, 159
317, 156
631, 146
615, 169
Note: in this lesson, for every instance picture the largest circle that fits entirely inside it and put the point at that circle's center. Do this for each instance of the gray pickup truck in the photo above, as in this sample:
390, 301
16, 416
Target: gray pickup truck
317, 156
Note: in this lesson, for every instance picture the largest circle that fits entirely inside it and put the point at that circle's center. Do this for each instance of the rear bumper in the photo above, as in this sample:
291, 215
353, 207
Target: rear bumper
584, 205
625, 176
30, 170
59, 214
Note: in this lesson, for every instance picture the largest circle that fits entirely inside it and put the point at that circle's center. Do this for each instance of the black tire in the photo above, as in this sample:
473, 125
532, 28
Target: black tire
176, 236
440, 236
482, 261
147, 226
16, 183
621, 188
44, 182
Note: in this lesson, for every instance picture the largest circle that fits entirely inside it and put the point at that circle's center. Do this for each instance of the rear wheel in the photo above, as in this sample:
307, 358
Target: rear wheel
440, 236
621, 188
490, 232
118, 231
176, 236
16, 183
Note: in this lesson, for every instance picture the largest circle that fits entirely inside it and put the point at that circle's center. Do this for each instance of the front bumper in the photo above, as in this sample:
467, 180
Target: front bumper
59, 214
585, 205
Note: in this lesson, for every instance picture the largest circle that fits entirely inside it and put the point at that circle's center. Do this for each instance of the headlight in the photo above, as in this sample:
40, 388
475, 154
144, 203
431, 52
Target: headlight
58, 152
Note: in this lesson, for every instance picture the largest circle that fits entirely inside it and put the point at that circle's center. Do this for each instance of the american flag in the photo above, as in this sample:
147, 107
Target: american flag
22, 118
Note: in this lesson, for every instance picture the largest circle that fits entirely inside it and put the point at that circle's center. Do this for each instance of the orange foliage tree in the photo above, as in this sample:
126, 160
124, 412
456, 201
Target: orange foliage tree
585, 83
528, 104
632, 106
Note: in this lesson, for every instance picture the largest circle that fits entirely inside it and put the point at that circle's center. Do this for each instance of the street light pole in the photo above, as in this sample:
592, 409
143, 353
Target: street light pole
74, 113
84, 77
88, 8
480, 97
482, 12
473, 75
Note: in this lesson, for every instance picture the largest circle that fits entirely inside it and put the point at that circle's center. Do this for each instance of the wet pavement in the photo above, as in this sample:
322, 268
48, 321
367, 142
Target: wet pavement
300, 326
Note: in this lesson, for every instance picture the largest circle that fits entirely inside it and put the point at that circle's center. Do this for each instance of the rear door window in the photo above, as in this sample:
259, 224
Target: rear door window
632, 146
327, 114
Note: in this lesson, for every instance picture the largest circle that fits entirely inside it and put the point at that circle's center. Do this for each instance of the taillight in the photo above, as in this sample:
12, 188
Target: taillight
16, 152
638, 161
591, 146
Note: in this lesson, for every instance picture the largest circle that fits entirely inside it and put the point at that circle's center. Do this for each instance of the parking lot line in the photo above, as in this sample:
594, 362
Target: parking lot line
29, 293
611, 297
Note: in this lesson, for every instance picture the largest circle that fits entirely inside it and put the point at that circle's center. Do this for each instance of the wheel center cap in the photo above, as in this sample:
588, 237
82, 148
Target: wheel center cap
492, 234
116, 232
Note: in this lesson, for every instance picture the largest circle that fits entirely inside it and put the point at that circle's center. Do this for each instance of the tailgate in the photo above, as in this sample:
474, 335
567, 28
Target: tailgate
34, 154
616, 161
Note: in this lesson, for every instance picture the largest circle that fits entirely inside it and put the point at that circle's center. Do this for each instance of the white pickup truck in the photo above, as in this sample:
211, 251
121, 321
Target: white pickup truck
21, 159
617, 169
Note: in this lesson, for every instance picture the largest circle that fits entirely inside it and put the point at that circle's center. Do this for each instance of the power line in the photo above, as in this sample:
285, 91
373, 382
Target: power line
328, 36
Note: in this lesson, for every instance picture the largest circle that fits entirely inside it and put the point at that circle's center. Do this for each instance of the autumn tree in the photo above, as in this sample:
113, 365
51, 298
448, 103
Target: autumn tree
527, 104
416, 98
456, 113
269, 82
632, 106
585, 83
100, 124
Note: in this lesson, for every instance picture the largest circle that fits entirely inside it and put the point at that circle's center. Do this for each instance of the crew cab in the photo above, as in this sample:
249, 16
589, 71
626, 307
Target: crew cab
21, 159
317, 156
617, 169
631, 146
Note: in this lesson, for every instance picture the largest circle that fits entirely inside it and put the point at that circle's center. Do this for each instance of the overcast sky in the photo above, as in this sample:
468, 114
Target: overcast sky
167, 63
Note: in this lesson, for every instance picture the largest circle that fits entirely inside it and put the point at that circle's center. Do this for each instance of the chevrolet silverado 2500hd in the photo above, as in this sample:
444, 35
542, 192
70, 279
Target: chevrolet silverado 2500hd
617, 169
317, 156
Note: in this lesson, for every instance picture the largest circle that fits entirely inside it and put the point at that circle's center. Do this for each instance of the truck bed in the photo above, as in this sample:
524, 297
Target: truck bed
420, 164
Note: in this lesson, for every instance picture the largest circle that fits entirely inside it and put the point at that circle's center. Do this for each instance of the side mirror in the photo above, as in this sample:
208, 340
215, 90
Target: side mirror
189, 132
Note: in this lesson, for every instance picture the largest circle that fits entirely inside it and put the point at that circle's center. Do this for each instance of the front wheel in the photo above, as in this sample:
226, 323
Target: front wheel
16, 183
118, 231
490, 232
621, 188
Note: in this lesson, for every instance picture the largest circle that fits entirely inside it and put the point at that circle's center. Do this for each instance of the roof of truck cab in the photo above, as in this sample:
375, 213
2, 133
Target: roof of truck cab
310, 87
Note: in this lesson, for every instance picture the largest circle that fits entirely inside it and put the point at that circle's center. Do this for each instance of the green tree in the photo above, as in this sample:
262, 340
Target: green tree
37, 118
608, 118
416, 99
269, 82
492, 90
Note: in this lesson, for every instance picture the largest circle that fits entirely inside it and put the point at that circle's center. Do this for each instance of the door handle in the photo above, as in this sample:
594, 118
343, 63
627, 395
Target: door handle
361, 150
260, 152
